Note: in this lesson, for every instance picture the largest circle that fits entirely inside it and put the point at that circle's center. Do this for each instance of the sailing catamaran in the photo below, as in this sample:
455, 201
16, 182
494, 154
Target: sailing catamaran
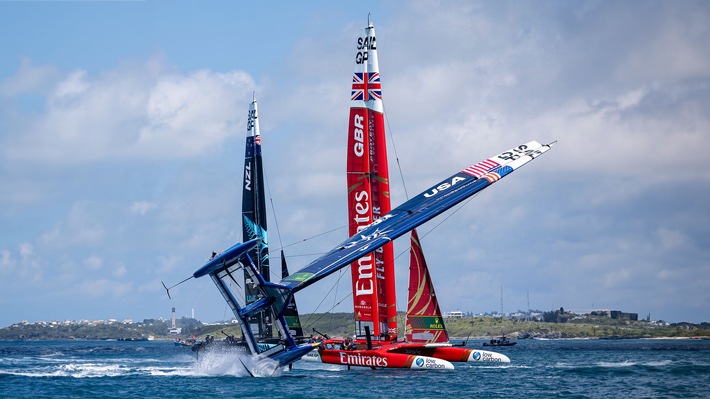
254, 227
373, 282
235, 261
373, 279
234, 271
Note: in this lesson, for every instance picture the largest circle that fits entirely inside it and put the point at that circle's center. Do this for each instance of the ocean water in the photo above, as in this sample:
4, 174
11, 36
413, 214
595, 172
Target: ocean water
538, 369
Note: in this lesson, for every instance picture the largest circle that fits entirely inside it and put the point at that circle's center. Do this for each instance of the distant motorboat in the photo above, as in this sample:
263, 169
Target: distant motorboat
502, 341
184, 342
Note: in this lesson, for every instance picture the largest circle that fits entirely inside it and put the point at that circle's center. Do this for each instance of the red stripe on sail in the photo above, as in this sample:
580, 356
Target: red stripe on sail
492, 177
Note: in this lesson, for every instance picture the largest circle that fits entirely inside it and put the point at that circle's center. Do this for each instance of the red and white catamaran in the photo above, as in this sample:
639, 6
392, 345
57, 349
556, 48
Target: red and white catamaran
373, 280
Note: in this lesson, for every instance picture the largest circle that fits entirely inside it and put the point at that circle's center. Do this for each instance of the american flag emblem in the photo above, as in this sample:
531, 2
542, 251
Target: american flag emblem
481, 168
366, 86
492, 177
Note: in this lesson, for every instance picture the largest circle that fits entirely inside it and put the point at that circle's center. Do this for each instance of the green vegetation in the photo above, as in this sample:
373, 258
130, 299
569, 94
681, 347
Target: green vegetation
341, 324
587, 327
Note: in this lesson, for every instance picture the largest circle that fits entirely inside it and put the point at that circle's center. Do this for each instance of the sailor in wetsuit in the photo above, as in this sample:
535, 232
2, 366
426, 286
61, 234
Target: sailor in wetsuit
347, 345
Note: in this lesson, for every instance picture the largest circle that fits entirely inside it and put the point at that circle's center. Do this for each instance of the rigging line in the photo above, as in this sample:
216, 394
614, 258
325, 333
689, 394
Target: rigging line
396, 156
421, 237
335, 296
272, 272
326, 296
453, 212
312, 237
273, 208
328, 311
302, 255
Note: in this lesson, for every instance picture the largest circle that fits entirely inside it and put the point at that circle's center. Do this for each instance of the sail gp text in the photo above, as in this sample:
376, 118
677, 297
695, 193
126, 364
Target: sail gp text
363, 45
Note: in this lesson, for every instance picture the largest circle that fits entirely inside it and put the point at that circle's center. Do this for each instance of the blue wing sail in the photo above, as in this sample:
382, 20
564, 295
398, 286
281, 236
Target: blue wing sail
413, 213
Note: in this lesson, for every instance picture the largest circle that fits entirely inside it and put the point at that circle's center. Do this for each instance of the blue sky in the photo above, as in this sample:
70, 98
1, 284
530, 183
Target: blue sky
122, 131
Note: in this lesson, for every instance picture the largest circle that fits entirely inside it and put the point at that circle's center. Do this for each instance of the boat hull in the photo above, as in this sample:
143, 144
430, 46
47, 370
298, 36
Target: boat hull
380, 359
453, 353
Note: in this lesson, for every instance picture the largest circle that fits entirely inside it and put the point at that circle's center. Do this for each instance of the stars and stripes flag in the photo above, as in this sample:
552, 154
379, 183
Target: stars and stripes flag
366, 86
481, 168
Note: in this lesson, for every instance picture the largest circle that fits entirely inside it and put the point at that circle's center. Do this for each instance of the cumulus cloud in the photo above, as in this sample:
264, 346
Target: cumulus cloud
93, 262
26, 250
121, 163
146, 111
29, 78
82, 226
143, 207
6, 262
120, 270
102, 288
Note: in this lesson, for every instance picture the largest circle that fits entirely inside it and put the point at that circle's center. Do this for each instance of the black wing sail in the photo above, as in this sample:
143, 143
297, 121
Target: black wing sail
291, 314
254, 219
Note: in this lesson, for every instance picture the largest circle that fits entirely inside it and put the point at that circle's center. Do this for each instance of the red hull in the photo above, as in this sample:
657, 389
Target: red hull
383, 356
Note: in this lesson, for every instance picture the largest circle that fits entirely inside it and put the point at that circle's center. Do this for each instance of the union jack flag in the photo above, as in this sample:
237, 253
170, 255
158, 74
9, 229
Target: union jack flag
481, 168
366, 86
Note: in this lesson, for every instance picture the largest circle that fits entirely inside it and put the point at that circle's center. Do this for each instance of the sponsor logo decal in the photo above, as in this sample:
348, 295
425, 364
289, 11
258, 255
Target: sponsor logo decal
251, 119
444, 186
303, 276
362, 360
486, 357
358, 135
429, 363
364, 44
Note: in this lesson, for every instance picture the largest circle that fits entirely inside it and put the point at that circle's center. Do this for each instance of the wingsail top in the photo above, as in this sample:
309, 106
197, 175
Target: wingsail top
369, 194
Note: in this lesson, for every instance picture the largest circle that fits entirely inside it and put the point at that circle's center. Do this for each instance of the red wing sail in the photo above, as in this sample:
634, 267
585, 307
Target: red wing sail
424, 322
368, 195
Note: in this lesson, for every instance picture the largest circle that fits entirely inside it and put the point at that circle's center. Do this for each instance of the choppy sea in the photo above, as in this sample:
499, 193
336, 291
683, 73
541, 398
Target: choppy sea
538, 369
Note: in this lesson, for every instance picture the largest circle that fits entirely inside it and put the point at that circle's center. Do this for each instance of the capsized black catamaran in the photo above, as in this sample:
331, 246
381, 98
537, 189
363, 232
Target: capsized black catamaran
235, 265
254, 227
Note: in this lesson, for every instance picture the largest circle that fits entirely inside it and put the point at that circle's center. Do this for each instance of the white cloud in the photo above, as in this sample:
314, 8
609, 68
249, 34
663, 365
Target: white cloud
29, 78
82, 226
143, 111
120, 270
102, 288
26, 250
139, 163
93, 262
6, 263
143, 207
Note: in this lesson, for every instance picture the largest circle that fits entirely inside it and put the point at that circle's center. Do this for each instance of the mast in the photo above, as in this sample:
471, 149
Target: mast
373, 281
254, 218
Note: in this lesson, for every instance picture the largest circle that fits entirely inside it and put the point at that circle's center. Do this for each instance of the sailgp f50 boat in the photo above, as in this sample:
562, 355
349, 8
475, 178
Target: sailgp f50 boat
373, 280
226, 269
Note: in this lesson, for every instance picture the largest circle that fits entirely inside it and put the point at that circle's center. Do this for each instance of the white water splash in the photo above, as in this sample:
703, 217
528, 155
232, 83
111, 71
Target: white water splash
237, 365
